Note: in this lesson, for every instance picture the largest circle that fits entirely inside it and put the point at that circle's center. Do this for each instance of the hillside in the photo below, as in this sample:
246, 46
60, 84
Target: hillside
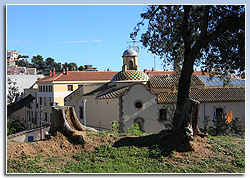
109, 153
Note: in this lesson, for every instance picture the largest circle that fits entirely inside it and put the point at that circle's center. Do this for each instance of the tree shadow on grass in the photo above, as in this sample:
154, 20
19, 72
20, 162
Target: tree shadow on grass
167, 140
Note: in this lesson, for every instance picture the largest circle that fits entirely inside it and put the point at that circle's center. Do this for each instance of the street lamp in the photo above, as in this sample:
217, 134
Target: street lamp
84, 113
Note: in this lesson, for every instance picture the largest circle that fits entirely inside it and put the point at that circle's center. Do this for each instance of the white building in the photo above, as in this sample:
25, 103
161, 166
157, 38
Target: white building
134, 97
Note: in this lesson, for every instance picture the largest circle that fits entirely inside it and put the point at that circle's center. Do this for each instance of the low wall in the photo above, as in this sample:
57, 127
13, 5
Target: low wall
27, 136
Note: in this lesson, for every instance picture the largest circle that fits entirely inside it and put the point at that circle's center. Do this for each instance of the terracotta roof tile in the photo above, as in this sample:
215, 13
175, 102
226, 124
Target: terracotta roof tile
168, 81
231, 94
198, 73
114, 93
81, 76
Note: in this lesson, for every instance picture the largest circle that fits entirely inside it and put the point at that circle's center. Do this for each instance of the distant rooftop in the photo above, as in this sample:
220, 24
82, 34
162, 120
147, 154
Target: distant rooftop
216, 81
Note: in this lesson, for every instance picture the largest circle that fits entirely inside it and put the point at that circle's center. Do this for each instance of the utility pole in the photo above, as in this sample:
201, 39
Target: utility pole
41, 123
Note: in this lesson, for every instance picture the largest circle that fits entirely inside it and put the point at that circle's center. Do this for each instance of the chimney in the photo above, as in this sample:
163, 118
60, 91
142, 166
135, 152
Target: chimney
54, 72
50, 74
67, 71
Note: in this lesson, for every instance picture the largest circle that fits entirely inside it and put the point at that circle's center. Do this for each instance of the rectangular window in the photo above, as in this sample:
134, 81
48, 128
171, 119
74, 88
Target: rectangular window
45, 117
47, 89
219, 113
45, 101
81, 112
43, 88
70, 87
41, 101
50, 100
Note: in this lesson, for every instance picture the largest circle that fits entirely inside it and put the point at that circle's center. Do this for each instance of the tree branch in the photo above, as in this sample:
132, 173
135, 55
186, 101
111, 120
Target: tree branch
205, 21
185, 30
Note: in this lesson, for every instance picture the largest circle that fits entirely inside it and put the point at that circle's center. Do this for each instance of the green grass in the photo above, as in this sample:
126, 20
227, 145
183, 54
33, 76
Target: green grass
230, 158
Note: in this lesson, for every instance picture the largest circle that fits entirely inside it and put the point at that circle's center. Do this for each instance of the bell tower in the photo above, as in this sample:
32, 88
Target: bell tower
130, 60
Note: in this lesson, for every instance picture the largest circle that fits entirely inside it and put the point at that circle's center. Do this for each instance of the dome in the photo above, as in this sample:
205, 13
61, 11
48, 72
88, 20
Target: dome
129, 52
130, 75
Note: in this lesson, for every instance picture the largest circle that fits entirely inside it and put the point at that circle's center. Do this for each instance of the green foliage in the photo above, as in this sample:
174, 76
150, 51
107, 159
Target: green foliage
115, 127
214, 34
14, 126
13, 91
135, 130
81, 68
221, 127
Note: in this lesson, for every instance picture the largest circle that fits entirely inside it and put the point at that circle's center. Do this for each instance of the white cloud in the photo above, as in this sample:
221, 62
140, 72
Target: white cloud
96, 40
67, 42
21, 41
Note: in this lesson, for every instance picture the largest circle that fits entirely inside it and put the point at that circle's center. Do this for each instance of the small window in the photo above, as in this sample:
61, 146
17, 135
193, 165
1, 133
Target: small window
45, 101
219, 113
45, 117
41, 100
138, 104
130, 65
81, 112
44, 89
70, 87
140, 121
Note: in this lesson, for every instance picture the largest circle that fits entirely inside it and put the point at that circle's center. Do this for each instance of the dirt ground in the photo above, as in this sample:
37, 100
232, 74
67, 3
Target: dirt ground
61, 145
57, 145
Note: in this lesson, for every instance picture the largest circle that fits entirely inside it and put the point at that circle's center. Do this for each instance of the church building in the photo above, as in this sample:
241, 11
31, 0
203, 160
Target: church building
133, 96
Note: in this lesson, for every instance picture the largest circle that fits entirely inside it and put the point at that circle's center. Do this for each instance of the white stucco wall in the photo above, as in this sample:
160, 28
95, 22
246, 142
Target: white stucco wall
207, 109
76, 98
101, 113
149, 110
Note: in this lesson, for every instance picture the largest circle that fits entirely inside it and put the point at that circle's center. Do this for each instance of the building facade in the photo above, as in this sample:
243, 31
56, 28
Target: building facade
134, 97
51, 90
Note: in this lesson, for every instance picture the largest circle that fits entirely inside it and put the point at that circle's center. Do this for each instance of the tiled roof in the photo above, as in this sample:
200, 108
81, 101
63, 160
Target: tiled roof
99, 90
198, 73
81, 76
114, 93
130, 75
231, 94
168, 81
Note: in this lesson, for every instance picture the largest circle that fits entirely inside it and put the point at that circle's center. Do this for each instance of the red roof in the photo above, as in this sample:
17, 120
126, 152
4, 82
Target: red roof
198, 73
97, 75
81, 76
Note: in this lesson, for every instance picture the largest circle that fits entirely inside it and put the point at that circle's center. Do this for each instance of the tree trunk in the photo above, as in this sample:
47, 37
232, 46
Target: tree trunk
11, 108
64, 120
186, 114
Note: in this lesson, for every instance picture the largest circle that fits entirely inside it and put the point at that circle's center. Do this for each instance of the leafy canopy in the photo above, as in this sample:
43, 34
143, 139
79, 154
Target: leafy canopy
175, 30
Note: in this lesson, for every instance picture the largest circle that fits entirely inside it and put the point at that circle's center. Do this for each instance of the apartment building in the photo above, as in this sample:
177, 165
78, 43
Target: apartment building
51, 90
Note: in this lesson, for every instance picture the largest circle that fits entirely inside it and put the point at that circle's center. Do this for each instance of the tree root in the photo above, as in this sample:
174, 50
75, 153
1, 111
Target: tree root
178, 140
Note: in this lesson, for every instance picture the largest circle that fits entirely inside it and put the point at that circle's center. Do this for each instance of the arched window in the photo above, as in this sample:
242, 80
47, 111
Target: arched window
130, 65
140, 121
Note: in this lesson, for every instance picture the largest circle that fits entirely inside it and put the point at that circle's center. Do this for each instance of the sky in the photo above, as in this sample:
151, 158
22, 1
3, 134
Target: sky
84, 34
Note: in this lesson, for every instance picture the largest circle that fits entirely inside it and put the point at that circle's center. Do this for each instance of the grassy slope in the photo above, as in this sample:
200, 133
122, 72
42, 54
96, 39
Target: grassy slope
227, 156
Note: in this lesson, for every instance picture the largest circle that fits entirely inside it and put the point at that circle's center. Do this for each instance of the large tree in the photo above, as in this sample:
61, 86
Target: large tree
38, 62
212, 37
50, 62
